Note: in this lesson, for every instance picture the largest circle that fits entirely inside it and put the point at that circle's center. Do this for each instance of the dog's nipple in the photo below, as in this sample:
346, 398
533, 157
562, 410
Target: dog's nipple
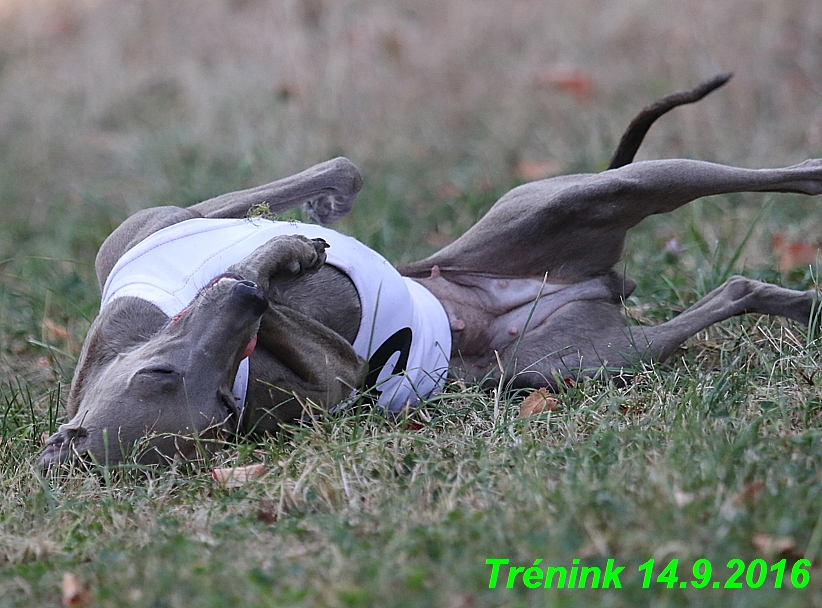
457, 325
513, 331
435, 272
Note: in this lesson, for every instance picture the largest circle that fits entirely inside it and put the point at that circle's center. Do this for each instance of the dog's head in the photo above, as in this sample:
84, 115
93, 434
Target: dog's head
142, 375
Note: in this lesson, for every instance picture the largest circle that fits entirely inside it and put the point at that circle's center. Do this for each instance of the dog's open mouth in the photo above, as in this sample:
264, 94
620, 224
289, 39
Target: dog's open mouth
252, 344
220, 277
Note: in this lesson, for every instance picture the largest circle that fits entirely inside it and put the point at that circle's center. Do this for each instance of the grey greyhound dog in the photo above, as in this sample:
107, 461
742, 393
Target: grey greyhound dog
212, 321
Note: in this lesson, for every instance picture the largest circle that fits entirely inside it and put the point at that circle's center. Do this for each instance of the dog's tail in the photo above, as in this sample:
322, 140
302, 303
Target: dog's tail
635, 133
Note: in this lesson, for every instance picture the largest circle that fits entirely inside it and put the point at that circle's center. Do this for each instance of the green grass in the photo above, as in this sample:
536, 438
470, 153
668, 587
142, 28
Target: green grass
697, 459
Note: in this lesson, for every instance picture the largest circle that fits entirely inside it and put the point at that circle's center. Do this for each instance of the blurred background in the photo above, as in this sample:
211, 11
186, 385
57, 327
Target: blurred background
129, 103
110, 106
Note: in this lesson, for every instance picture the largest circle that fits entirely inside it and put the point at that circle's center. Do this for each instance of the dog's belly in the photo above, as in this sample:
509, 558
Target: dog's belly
530, 304
490, 314
491, 317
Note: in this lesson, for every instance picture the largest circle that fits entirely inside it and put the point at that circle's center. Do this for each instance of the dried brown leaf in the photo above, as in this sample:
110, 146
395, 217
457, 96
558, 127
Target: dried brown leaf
749, 493
54, 331
774, 545
238, 476
575, 81
538, 402
267, 513
792, 254
75, 594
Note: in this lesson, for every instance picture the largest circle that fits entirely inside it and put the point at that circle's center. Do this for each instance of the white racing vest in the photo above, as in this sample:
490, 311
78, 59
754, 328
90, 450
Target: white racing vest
404, 331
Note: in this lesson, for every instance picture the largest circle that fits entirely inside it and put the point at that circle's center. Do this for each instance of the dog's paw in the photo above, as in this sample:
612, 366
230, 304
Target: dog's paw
294, 255
341, 181
319, 245
281, 257
328, 208
810, 181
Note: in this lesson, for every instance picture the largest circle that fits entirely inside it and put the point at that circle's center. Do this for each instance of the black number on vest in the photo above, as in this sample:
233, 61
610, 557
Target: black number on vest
399, 342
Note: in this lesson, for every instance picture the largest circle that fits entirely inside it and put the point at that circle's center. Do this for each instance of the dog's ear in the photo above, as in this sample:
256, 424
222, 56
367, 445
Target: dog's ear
121, 326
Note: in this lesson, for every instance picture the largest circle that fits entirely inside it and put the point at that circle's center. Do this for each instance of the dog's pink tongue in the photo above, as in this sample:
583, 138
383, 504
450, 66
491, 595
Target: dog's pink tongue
250, 348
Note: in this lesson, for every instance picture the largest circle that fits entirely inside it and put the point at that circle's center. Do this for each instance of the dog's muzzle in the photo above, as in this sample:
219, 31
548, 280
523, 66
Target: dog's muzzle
248, 293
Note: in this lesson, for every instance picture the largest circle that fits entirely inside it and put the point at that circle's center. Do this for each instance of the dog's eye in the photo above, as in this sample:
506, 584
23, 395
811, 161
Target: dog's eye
157, 377
159, 370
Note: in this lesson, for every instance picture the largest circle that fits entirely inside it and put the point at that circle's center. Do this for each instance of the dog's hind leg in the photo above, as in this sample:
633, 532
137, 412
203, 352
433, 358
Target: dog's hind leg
573, 227
588, 337
736, 296
326, 191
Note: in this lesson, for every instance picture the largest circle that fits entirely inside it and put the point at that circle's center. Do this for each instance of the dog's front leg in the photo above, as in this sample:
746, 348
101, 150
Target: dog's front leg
282, 256
326, 191
297, 358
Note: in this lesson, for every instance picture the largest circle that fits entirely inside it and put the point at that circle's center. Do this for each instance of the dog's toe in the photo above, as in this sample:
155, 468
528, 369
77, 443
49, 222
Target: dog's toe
320, 245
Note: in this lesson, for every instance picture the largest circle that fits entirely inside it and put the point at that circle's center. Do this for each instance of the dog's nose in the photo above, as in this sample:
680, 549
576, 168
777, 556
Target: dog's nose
61, 445
248, 293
